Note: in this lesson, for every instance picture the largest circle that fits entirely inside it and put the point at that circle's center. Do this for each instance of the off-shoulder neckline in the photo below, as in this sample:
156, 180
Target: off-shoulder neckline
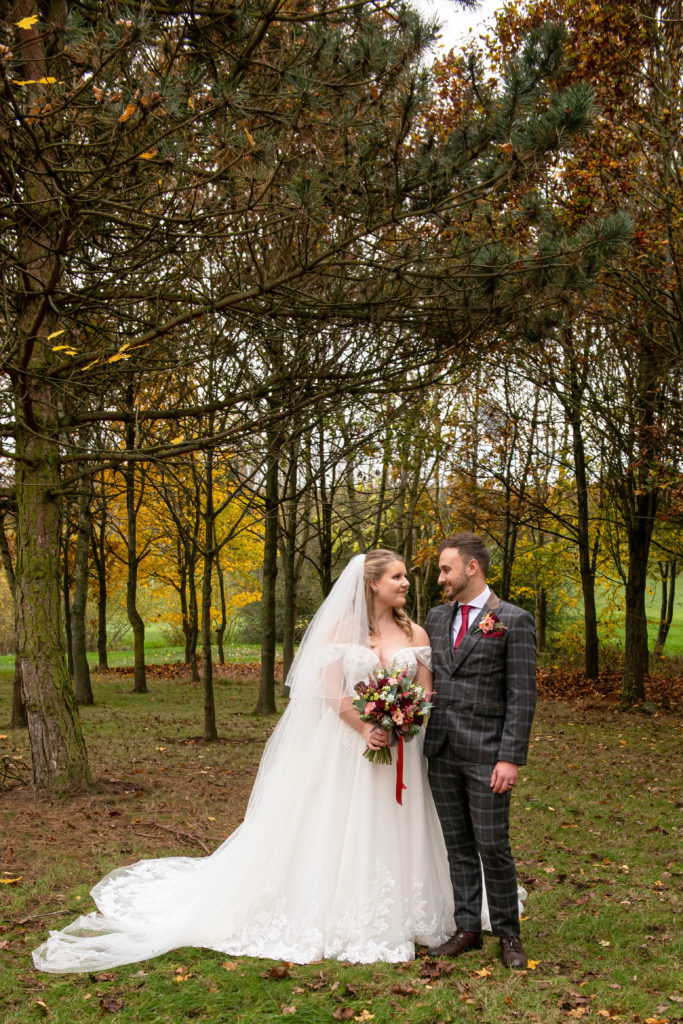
392, 659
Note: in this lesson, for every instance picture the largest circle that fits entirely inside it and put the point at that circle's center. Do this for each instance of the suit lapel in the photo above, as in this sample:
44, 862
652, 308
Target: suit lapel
453, 609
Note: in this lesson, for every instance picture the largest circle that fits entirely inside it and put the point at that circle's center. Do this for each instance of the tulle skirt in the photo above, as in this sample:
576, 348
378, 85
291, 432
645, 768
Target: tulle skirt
325, 865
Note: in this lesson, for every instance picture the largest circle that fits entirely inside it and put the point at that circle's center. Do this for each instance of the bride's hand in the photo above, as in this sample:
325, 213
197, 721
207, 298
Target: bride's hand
374, 737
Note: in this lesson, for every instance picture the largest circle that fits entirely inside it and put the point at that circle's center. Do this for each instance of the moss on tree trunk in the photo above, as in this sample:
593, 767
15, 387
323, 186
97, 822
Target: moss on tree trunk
59, 756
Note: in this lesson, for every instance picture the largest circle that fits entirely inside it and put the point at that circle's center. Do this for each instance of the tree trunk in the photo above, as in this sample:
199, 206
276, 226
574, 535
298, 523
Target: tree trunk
100, 561
82, 688
193, 624
60, 760
66, 597
182, 593
222, 625
508, 547
210, 731
18, 719
586, 569
266, 697
289, 564
640, 526
134, 617
541, 616
325, 529
667, 571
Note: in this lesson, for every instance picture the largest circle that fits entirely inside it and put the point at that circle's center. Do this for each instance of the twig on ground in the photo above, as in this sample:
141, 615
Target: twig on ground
12, 768
51, 913
178, 833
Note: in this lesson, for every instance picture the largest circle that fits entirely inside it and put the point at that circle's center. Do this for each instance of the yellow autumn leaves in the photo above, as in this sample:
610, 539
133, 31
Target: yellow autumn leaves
27, 23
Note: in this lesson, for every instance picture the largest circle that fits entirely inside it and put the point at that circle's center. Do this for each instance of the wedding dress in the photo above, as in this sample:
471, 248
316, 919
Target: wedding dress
326, 863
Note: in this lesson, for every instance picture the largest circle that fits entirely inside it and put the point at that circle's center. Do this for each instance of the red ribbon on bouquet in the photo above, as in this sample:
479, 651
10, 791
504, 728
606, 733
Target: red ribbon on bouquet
399, 773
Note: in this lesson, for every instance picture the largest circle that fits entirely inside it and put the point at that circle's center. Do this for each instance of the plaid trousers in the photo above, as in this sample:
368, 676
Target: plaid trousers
475, 823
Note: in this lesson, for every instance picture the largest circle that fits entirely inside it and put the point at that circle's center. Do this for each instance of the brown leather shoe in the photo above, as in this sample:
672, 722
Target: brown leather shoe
512, 952
457, 944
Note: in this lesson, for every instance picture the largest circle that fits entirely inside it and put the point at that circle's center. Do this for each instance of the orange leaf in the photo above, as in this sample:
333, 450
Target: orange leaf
128, 112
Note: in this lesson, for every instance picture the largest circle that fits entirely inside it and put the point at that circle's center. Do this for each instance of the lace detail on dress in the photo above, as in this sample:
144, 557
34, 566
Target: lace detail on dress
406, 660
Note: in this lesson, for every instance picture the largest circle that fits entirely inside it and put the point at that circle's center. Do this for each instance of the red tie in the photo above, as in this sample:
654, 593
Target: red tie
465, 609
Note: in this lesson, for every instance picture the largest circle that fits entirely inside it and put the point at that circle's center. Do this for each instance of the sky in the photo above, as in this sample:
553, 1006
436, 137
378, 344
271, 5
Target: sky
456, 21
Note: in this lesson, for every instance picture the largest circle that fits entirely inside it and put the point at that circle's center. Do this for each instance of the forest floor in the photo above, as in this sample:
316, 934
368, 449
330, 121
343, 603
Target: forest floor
596, 831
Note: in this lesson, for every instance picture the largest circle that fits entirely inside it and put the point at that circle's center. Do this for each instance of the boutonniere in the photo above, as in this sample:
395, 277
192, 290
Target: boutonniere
490, 625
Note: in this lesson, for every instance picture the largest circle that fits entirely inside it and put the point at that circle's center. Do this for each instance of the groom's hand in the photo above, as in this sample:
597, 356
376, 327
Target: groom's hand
504, 776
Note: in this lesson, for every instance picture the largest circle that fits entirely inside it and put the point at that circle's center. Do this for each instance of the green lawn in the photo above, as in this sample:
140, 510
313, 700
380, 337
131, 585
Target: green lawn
157, 651
594, 830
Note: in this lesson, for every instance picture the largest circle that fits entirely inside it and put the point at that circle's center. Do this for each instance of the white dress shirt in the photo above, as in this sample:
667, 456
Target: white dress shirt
475, 605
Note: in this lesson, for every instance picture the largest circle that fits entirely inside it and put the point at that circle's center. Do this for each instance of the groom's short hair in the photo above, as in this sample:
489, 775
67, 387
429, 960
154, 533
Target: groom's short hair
471, 546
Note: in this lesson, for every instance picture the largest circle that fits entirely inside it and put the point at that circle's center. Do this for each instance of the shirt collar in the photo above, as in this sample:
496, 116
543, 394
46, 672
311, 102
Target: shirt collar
480, 600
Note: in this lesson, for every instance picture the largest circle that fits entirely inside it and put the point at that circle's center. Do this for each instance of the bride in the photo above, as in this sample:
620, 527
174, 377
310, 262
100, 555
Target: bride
326, 863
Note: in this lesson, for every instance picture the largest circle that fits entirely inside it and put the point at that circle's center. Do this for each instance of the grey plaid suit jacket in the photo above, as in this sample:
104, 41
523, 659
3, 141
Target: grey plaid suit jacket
485, 693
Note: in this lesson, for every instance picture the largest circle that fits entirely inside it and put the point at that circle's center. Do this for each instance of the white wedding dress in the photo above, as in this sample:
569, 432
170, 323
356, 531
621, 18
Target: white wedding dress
325, 865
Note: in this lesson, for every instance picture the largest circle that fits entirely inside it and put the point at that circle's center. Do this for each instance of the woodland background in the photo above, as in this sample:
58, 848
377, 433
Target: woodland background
273, 291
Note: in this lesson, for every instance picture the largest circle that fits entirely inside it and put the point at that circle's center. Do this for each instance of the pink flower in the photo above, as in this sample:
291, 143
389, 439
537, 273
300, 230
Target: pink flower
491, 625
369, 707
397, 717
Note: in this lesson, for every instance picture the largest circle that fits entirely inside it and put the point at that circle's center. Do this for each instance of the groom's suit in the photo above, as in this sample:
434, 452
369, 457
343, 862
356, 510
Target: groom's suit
485, 696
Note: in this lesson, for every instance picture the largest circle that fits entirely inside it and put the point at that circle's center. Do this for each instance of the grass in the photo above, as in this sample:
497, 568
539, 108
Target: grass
158, 651
674, 641
594, 831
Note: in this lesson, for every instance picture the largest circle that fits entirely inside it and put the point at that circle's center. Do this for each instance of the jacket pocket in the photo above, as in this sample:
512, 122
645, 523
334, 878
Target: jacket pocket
489, 710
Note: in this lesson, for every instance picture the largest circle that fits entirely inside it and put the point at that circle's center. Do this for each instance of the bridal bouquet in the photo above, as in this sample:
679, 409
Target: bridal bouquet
394, 704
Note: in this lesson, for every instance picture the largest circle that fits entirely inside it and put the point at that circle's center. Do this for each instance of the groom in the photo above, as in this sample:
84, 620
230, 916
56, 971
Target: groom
484, 663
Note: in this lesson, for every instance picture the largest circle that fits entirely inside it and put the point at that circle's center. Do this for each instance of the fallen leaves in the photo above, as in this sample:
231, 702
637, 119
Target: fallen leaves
575, 1005
435, 968
110, 1004
404, 990
278, 973
344, 1013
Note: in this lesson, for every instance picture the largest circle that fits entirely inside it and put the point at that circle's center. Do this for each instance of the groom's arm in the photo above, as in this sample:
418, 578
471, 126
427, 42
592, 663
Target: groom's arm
520, 686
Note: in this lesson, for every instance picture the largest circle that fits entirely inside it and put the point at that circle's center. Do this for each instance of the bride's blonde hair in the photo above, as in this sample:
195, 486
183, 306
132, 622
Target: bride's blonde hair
376, 562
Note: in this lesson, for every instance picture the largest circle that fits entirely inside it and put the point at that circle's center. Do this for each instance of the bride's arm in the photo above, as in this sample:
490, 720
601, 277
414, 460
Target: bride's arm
373, 736
424, 679
343, 705
423, 676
